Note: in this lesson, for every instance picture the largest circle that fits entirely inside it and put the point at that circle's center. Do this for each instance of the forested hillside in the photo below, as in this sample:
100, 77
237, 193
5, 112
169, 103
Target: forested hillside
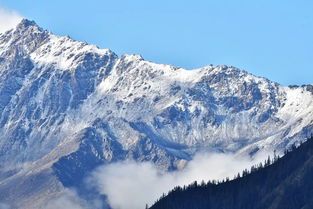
279, 183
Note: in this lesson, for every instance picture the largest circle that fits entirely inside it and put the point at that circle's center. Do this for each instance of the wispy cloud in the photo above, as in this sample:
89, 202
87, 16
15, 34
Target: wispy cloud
8, 19
130, 185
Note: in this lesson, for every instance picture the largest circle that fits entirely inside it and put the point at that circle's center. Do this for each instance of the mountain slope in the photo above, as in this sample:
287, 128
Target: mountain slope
284, 184
67, 107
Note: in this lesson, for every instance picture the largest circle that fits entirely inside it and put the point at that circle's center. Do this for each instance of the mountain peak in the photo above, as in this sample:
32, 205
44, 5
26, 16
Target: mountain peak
132, 57
27, 35
26, 23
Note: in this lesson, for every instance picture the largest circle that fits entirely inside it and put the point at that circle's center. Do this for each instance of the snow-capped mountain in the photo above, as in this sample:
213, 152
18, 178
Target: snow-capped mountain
67, 107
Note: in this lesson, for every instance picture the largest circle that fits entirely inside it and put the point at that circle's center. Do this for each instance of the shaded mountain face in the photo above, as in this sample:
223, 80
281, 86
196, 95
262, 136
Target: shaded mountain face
287, 183
67, 107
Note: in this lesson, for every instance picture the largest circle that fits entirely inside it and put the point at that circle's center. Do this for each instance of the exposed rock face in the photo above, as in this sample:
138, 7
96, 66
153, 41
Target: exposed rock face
67, 107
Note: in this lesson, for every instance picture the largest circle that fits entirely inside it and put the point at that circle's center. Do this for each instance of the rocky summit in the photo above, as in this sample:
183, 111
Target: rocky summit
67, 107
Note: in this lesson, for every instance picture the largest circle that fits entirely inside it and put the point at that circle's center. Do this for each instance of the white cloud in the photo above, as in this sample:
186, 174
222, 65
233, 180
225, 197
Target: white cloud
8, 19
130, 185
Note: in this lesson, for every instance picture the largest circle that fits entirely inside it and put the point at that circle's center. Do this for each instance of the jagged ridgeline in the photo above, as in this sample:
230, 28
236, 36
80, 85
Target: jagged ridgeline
286, 183
67, 107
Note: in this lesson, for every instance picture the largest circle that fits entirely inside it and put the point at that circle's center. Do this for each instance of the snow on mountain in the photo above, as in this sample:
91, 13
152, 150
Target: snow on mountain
67, 107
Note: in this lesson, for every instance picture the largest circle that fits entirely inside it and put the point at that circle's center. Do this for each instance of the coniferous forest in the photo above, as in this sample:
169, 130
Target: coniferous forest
279, 183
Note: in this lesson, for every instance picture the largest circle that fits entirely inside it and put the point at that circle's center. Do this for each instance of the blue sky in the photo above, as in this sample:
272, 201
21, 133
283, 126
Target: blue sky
268, 38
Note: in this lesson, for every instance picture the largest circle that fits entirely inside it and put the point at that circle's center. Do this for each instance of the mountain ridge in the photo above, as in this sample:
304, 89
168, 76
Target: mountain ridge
67, 107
